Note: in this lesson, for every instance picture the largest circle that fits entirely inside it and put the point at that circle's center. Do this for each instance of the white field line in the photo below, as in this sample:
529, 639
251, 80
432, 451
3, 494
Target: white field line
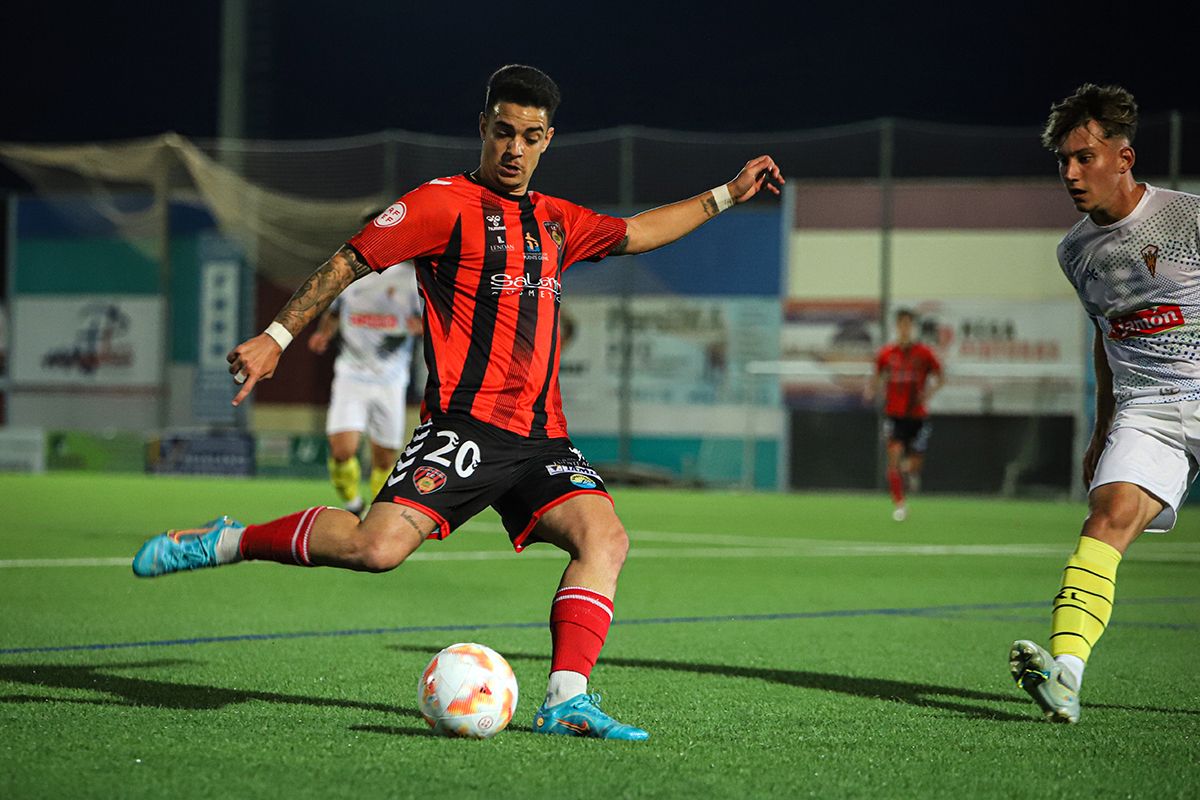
1187, 552
11, 563
1167, 549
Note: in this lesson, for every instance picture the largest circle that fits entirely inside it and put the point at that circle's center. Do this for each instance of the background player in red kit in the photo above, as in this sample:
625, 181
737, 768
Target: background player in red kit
912, 374
490, 255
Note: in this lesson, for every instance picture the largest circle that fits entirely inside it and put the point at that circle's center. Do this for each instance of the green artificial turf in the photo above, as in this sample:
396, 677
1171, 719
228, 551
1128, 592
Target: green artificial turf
773, 645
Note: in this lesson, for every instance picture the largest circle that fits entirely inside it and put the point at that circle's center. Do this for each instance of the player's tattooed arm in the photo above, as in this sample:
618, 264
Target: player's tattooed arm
255, 359
621, 247
709, 203
321, 288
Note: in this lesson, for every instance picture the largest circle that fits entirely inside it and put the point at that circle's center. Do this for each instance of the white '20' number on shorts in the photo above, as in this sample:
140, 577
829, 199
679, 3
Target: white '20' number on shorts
465, 462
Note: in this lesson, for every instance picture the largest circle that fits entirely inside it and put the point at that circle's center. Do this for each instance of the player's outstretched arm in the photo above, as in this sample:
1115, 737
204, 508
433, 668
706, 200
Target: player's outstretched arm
1105, 408
660, 226
255, 359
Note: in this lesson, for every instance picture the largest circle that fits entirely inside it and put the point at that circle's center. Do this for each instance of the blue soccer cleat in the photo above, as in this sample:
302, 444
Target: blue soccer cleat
1036, 671
581, 716
175, 551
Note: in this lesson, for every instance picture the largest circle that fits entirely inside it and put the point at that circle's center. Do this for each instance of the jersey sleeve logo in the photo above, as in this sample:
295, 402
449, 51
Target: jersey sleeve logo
1146, 322
392, 215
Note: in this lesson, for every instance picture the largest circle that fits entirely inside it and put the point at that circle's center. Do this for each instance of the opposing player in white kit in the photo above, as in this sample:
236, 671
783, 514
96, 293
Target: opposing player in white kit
378, 318
1134, 260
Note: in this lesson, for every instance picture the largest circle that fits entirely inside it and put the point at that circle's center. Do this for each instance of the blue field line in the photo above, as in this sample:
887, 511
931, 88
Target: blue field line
926, 611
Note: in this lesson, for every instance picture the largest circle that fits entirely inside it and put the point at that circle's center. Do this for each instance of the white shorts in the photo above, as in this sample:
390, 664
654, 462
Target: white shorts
1156, 447
376, 408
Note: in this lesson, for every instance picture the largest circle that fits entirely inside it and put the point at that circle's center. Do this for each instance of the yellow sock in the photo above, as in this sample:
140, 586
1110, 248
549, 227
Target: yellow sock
1083, 607
345, 475
378, 476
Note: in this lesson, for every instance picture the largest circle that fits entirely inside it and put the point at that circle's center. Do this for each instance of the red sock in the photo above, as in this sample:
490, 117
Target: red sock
579, 620
896, 482
284, 540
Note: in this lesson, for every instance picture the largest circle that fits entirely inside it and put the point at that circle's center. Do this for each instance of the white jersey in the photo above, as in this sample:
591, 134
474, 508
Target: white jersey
1139, 279
372, 320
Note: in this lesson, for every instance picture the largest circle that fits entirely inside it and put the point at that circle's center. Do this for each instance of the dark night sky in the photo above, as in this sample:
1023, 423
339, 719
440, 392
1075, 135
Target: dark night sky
327, 69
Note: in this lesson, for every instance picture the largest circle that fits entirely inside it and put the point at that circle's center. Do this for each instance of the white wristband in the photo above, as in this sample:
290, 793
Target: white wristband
279, 334
723, 197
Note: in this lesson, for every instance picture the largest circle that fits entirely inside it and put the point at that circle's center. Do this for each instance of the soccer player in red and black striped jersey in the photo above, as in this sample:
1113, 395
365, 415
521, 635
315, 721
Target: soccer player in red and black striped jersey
912, 373
490, 255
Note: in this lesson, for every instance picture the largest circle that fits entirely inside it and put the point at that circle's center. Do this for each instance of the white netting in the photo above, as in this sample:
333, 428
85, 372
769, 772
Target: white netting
290, 204
284, 235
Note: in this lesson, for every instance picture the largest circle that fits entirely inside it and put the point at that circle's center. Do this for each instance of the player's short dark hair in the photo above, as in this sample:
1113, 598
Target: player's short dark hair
525, 86
905, 312
1111, 107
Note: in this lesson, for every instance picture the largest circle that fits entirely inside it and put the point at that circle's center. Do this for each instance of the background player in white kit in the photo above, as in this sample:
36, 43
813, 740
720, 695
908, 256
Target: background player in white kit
378, 317
1134, 260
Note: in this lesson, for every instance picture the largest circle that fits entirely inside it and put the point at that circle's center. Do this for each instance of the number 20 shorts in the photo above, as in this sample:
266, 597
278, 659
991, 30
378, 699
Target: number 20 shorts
454, 467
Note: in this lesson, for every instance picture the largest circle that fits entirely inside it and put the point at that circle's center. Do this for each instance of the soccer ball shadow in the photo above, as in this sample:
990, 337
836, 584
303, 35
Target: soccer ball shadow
949, 698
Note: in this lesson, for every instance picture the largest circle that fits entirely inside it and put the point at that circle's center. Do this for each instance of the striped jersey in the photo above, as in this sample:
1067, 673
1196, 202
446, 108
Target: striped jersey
1139, 279
490, 267
907, 370
373, 312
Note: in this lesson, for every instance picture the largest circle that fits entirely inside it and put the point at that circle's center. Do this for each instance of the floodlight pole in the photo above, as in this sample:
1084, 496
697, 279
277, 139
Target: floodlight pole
390, 161
887, 165
625, 374
1175, 149
162, 209
231, 120
231, 128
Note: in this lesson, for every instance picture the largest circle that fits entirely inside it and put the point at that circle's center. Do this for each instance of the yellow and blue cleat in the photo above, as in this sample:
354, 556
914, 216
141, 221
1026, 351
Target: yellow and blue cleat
581, 716
1036, 671
177, 551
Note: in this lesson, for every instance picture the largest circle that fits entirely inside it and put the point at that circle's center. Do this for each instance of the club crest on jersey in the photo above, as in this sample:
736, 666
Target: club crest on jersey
428, 480
1146, 322
557, 234
1150, 257
392, 215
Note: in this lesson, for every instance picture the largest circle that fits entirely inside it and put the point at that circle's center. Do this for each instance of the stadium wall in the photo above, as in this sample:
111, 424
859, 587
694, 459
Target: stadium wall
73, 260
949, 239
976, 259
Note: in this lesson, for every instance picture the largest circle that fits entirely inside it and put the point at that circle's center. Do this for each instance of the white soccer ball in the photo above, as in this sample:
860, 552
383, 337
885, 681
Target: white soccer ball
468, 690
